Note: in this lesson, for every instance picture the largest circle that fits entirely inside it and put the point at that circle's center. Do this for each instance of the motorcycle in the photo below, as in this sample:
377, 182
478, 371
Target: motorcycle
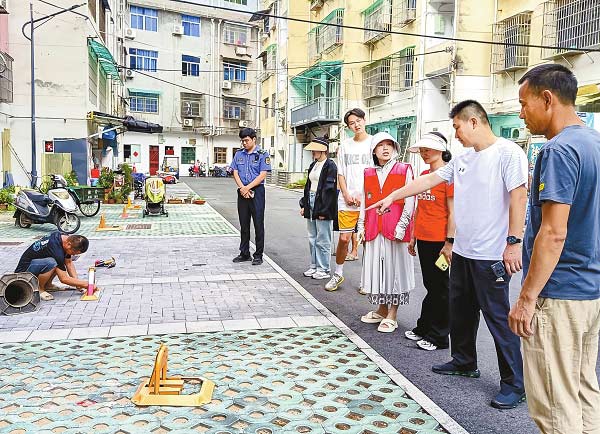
56, 207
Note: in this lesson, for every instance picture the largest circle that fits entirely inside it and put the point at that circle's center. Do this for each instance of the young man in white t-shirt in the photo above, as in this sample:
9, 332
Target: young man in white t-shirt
490, 196
353, 157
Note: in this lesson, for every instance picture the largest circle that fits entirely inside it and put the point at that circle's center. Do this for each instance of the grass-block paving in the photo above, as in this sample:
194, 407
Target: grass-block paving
302, 380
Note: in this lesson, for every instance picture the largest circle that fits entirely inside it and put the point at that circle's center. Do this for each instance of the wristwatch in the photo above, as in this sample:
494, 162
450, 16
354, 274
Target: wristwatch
511, 239
450, 240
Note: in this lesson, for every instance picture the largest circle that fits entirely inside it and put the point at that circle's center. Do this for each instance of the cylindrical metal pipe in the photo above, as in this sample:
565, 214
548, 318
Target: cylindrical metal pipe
18, 293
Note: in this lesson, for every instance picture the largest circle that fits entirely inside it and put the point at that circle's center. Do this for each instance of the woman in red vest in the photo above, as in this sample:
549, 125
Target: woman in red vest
387, 274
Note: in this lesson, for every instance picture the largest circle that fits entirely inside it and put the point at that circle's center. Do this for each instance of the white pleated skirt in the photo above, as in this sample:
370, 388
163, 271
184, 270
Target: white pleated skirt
388, 275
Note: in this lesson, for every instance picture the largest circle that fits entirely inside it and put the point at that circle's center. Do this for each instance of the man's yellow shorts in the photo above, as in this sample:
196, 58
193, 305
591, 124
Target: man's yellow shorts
347, 220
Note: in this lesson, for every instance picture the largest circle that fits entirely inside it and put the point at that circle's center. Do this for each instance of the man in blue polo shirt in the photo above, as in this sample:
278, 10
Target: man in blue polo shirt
558, 310
250, 166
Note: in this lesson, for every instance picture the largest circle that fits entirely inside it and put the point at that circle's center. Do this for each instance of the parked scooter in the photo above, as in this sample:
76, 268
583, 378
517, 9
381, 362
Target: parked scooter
56, 207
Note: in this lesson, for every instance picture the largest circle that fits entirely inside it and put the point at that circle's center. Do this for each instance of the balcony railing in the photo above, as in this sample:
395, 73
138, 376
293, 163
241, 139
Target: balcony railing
404, 11
513, 30
376, 79
570, 24
325, 38
378, 19
322, 109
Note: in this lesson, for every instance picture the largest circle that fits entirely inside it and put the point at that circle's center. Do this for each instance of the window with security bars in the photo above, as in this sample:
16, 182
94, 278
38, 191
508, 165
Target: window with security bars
6, 79
376, 79
330, 36
511, 31
192, 105
234, 34
404, 11
403, 68
234, 109
220, 155
377, 21
570, 24
188, 155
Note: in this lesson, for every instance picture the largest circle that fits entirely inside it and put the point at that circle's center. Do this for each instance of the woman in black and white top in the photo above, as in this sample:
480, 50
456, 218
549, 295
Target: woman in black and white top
319, 207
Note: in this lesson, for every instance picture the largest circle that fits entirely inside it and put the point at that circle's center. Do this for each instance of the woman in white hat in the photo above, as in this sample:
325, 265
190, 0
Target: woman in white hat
319, 207
387, 274
433, 235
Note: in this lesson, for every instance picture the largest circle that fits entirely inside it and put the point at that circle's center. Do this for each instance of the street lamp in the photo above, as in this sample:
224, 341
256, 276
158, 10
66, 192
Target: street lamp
31, 23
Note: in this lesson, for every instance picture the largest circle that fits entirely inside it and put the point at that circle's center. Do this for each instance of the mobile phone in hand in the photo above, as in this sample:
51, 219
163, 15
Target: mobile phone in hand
442, 263
251, 193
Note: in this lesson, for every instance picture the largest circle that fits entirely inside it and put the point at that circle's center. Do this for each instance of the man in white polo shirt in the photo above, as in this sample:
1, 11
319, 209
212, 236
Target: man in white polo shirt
490, 196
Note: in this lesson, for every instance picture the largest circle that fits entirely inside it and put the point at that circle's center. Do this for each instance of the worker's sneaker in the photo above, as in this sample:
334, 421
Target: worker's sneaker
506, 401
320, 275
310, 272
452, 368
257, 261
362, 291
242, 258
334, 283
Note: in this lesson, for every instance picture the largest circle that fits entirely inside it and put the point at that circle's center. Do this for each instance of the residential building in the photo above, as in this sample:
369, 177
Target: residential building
6, 91
191, 69
74, 76
562, 24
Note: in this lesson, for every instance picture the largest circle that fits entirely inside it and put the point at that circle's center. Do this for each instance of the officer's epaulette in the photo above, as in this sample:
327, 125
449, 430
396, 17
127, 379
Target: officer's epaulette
262, 151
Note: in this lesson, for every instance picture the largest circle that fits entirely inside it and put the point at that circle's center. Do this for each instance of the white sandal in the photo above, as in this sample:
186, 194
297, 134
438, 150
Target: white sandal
46, 296
387, 325
372, 318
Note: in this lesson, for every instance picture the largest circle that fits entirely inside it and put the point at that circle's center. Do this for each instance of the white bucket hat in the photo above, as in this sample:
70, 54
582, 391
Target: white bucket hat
380, 137
430, 141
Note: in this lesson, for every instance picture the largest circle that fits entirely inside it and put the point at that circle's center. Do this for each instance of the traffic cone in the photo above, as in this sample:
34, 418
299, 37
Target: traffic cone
124, 215
102, 224
131, 205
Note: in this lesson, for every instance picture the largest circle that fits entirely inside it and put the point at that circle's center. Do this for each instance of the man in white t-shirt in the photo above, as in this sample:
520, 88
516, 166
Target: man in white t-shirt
353, 157
490, 196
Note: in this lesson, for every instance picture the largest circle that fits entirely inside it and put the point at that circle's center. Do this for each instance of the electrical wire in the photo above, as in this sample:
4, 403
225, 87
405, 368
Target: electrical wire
391, 32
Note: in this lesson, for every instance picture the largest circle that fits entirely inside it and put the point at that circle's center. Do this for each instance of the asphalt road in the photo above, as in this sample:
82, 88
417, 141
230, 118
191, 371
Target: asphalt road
464, 399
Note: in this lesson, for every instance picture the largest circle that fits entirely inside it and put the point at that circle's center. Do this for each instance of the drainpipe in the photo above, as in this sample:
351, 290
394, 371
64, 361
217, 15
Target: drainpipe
421, 81
492, 75
217, 67
453, 62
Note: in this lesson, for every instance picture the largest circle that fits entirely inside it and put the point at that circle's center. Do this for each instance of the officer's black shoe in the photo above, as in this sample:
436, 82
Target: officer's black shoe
242, 258
257, 261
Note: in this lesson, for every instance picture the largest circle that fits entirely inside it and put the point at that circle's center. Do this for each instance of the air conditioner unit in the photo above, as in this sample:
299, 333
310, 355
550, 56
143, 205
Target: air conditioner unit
177, 29
244, 124
519, 133
241, 51
205, 131
188, 122
130, 33
130, 73
226, 85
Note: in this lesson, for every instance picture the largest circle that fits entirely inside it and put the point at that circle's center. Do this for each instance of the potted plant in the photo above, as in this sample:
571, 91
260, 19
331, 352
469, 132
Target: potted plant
106, 181
199, 200
71, 179
112, 196
6, 197
190, 197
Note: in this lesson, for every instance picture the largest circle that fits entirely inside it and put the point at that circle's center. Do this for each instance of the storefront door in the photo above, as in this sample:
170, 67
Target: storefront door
154, 159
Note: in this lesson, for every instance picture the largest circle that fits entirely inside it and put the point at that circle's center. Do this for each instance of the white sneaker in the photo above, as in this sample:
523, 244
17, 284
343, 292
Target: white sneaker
412, 336
310, 272
362, 291
334, 283
319, 275
426, 345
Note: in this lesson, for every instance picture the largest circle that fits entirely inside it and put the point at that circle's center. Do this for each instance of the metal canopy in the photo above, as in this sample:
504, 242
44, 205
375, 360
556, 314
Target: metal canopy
106, 60
330, 67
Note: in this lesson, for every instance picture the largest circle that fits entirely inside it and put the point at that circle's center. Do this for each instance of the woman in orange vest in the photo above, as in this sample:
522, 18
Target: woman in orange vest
387, 274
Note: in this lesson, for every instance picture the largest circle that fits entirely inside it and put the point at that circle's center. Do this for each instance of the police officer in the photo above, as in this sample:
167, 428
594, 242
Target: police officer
250, 166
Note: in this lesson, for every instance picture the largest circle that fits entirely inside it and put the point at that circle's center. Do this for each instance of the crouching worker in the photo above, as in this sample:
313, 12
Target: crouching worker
52, 256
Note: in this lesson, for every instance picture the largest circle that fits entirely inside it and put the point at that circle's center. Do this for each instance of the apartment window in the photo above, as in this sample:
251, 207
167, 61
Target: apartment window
234, 71
143, 60
376, 79
330, 37
192, 105
570, 23
238, 2
190, 65
513, 30
93, 79
6, 80
191, 25
144, 19
405, 11
403, 67
234, 109
188, 154
266, 108
142, 102
234, 34
377, 18
220, 155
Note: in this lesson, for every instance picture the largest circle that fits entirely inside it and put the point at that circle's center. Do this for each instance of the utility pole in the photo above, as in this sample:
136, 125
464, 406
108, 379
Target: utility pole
31, 23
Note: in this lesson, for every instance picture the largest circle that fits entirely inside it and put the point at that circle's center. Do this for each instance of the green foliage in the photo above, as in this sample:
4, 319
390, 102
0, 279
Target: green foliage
71, 179
7, 195
298, 184
107, 178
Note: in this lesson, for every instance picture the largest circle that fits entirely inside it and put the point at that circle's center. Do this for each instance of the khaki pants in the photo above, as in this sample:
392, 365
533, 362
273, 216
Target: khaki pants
560, 366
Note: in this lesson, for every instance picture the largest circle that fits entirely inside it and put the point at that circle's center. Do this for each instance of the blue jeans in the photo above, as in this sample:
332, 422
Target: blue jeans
41, 266
320, 233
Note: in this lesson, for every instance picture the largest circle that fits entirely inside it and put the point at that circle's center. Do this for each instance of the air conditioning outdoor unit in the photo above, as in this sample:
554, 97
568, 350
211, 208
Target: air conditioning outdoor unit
244, 124
188, 122
226, 85
177, 29
205, 131
130, 33
519, 133
241, 51
130, 73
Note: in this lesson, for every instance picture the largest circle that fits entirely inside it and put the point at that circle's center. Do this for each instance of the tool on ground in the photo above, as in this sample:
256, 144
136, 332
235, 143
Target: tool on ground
102, 226
19, 293
91, 293
106, 263
163, 390
131, 205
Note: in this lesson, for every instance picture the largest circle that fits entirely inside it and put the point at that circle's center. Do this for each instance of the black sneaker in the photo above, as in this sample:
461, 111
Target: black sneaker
257, 261
242, 258
507, 401
451, 368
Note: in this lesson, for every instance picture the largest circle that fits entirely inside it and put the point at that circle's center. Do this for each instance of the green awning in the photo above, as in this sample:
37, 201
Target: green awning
145, 91
330, 67
106, 60
372, 8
